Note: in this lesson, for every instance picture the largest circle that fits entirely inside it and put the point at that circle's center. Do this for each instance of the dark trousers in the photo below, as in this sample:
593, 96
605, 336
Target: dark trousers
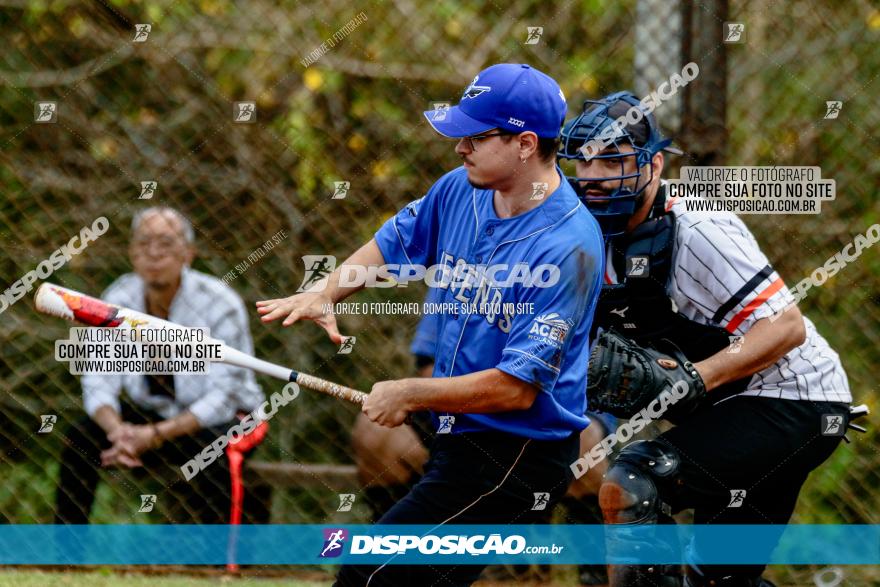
763, 446
204, 499
473, 478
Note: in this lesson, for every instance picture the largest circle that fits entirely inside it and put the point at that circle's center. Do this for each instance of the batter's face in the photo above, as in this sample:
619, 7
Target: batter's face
489, 161
159, 251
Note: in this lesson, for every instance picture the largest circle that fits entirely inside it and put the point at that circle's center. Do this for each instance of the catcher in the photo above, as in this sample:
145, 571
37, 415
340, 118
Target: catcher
684, 318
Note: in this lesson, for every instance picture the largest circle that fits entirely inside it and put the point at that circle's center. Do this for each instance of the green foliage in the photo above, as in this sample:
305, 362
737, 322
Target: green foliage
112, 579
163, 112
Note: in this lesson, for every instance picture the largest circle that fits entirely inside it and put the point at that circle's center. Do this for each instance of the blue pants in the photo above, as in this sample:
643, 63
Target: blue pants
463, 467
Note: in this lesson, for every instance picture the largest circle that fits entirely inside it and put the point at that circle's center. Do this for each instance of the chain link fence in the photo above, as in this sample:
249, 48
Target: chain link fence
337, 90
781, 80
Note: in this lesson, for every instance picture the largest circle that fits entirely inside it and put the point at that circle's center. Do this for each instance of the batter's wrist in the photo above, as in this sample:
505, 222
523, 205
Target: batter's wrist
409, 395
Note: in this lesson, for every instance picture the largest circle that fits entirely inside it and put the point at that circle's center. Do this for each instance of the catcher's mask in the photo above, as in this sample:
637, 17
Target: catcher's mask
595, 134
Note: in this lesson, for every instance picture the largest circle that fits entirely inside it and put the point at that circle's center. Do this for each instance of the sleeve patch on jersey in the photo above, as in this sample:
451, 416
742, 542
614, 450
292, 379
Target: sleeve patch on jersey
754, 304
413, 207
742, 293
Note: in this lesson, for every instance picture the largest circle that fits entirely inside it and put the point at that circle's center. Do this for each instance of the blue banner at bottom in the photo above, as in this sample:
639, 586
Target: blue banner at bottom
453, 544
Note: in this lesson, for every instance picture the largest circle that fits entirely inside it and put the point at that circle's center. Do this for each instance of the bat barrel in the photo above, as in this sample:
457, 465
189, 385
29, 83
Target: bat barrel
61, 302
50, 302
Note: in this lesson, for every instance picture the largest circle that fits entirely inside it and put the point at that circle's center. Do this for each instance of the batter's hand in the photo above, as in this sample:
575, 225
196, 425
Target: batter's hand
303, 306
385, 404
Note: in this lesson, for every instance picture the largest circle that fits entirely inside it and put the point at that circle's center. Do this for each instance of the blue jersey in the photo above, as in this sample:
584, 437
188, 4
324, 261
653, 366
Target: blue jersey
424, 342
516, 317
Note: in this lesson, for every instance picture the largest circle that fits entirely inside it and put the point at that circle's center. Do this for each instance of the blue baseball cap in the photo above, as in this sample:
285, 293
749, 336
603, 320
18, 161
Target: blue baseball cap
510, 96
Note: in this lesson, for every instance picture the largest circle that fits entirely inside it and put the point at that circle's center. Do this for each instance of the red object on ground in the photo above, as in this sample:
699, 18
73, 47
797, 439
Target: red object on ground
235, 453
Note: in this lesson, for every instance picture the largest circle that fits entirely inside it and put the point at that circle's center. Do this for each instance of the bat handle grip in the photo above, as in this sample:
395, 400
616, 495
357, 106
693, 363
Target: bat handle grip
329, 388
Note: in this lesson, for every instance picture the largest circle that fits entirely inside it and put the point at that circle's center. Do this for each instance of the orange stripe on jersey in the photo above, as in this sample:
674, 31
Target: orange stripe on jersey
670, 202
753, 305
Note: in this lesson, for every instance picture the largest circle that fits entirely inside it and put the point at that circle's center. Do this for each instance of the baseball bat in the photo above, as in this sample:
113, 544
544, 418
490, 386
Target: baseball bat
61, 302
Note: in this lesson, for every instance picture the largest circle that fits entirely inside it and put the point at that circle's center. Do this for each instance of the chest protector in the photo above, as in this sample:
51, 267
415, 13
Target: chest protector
639, 308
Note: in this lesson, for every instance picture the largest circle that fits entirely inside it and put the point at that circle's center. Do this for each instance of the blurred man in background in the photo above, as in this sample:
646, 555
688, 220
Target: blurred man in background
166, 419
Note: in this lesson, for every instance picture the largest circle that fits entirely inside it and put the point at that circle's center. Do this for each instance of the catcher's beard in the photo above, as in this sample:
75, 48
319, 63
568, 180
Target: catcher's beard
606, 199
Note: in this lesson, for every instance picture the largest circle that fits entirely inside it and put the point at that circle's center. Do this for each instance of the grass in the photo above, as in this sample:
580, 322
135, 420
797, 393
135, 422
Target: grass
562, 576
108, 578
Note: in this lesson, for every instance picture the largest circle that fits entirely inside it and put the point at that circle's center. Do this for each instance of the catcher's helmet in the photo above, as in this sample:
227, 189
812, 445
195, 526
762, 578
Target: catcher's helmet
595, 134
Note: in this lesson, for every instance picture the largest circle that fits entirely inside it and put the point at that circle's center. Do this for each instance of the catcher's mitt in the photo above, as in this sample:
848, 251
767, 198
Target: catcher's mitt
624, 378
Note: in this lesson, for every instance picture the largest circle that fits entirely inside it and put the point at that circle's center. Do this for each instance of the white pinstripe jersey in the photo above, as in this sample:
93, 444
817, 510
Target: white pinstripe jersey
720, 277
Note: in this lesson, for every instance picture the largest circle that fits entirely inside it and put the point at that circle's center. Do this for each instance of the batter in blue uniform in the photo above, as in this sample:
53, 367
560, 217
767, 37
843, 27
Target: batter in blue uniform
520, 260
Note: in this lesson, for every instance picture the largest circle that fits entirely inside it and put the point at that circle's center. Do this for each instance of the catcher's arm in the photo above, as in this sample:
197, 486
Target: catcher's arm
762, 345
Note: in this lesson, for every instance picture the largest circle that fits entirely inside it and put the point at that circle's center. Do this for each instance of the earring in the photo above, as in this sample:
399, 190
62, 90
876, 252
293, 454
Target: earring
522, 159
